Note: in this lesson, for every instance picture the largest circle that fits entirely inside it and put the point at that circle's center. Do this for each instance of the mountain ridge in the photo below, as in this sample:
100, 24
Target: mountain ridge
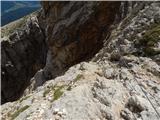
13, 10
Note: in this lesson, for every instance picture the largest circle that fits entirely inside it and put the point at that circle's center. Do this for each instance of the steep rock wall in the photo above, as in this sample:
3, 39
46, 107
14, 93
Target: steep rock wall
75, 30
118, 85
23, 54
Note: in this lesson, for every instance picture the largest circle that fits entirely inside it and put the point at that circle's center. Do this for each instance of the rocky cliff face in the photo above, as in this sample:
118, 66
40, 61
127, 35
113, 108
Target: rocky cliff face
120, 82
23, 54
73, 32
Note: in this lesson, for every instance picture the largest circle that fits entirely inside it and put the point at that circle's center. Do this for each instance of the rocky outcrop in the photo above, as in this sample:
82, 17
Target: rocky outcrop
121, 82
75, 30
23, 54
83, 92
139, 37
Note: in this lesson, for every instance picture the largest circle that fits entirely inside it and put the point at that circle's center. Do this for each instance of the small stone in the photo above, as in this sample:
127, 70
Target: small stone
138, 104
55, 111
126, 114
115, 56
125, 74
109, 73
143, 84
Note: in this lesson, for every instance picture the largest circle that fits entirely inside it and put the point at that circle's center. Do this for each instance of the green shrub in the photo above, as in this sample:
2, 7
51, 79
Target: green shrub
58, 92
150, 39
149, 51
152, 36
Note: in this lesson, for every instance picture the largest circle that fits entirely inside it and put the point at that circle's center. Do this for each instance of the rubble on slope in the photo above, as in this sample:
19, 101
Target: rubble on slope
126, 87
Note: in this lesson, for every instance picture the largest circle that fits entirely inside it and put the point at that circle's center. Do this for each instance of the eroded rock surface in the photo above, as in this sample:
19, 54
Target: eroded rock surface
23, 54
75, 30
121, 82
69, 32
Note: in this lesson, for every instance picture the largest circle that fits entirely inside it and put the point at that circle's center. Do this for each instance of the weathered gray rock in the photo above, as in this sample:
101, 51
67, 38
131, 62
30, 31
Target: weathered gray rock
152, 67
83, 91
75, 30
110, 73
125, 74
115, 55
128, 61
127, 114
23, 54
138, 104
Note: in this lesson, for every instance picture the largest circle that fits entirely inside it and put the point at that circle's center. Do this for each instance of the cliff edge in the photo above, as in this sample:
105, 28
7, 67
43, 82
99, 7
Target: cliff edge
101, 61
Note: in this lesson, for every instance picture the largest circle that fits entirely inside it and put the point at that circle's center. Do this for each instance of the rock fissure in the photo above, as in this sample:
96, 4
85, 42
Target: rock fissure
64, 87
75, 38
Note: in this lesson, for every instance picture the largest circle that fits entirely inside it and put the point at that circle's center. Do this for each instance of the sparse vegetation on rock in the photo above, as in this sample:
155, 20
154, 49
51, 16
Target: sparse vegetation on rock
16, 113
150, 40
120, 82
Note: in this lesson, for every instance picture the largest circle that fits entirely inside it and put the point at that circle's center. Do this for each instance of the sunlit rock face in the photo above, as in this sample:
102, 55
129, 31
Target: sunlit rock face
120, 82
73, 32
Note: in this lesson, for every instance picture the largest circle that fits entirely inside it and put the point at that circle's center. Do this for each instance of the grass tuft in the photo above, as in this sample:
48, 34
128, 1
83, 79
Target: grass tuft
79, 76
58, 92
13, 116
150, 39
